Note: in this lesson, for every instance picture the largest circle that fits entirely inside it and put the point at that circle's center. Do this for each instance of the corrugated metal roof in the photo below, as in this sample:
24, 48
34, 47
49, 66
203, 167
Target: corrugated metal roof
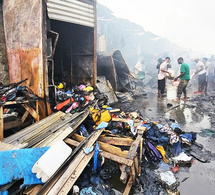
72, 11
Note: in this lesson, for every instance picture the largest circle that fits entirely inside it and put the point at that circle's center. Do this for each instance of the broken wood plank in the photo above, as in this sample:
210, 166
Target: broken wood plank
128, 186
103, 146
72, 166
141, 155
116, 140
104, 154
32, 190
136, 165
115, 110
24, 116
120, 120
134, 146
116, 158
15, 102
131, 154
71, 142
112, 149
33, 113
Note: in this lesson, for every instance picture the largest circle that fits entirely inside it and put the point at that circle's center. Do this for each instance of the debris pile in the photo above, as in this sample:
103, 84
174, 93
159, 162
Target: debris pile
99, 145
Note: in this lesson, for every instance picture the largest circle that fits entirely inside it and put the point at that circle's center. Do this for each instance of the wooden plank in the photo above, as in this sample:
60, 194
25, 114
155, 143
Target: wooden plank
115, 110
12, 124
134, 146
52, 183
24, 116
136, 165
116, 140
76, 173
128, 186
106, 147
120, 120
104, 154
113, 149
133, 172
116, 158
15, 102
5, 146
33, 113
141, 155
71, 142
71, 168
131, 154
32, 190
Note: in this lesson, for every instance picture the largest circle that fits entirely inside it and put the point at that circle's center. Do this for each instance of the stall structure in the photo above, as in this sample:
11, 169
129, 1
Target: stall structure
113, 66
50, 41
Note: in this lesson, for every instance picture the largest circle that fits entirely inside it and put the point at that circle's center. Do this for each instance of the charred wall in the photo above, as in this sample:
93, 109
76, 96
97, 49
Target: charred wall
74, 55
4, 76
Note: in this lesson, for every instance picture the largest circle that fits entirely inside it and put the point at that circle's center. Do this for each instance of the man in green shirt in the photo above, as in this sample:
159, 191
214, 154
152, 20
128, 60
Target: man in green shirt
184, 79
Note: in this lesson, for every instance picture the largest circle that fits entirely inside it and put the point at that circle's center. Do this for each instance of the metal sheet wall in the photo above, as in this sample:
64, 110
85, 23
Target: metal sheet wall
72, 11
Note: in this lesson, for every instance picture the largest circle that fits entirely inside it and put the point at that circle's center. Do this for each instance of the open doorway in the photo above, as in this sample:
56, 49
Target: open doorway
74, 54
70, 51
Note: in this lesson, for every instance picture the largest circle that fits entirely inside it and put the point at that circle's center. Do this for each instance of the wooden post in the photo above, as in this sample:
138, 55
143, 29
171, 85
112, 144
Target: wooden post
141, 155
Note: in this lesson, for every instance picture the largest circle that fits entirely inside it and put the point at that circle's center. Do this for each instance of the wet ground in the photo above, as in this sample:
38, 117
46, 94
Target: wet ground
196, 115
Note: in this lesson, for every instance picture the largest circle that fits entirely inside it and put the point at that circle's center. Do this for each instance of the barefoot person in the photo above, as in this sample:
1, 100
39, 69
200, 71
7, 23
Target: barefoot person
184, 79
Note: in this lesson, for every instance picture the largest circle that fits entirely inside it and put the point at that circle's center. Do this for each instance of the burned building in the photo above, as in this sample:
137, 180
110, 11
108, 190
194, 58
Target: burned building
50, 41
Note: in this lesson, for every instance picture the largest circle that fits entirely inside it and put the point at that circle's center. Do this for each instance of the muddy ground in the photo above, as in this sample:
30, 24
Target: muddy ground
196, 115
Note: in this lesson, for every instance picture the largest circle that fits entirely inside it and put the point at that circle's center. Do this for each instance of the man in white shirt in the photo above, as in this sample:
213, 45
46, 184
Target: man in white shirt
162, 77
200, 70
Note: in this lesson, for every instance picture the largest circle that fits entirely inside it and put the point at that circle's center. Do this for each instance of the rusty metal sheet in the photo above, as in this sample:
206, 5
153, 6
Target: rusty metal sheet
113, 66
23, 32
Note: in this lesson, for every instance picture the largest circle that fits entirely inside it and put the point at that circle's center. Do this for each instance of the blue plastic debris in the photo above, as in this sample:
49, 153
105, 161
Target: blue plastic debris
102, 125
174, 125
88, 150
96, 155
17, 164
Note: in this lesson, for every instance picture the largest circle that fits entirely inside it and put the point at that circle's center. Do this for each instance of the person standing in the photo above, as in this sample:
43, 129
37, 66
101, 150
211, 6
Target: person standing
200, 70
210, 74
184, 79
162, 77
206, 64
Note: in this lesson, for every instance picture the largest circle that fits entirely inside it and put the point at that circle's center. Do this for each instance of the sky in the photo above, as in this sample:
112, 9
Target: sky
188, 23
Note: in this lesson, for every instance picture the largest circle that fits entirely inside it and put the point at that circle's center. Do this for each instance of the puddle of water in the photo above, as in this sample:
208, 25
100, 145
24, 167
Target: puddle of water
201, 175
189, 119
201, 179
